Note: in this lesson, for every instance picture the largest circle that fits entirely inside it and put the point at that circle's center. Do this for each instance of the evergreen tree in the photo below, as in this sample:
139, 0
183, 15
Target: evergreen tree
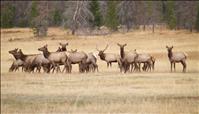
7, 17
170, 15
111, 16
197, 20
33, 13
95, 9
56, 17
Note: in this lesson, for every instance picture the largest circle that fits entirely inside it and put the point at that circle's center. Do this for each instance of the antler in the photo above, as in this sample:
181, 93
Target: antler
119, 44
97, 48
106, 47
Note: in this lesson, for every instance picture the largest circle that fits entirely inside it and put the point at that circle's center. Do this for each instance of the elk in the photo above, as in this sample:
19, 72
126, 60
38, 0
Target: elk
109, 58
149, 66
122, 54
176, 57
62, 48
27, 59
127, 58
91, 63
17, 63
56, 59
144, 58
78, 58
41, 61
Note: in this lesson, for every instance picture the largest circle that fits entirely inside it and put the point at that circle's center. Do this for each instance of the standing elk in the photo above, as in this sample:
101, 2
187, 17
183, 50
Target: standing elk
109, 58
56, 59
150, 66
146, 59
77, 58
91, 63
28, 60
17, 63
176, 57
127, 58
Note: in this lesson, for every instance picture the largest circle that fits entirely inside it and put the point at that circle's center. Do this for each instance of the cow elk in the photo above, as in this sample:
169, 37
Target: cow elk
56, 59
176, 57
17, 63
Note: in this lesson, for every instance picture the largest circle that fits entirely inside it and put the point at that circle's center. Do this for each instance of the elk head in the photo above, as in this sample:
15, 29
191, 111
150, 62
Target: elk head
169, 48
101, 52
44, 48
14, 51
63, 46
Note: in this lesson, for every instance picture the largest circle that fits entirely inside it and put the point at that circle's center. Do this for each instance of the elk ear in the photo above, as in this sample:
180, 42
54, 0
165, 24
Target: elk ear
60, 43
167, 46
171, 46
118, 44
66, 44
125, 44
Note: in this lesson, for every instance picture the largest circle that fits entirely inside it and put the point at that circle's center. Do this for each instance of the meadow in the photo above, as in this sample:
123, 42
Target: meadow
106, 91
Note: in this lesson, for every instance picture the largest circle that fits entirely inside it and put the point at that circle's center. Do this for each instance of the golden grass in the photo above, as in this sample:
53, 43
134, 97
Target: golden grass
108, 91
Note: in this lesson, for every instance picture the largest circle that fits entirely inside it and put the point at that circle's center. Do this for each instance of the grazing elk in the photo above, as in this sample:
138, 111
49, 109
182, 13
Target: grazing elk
56, 59
176, 58
78, 58
109, 58
17, 63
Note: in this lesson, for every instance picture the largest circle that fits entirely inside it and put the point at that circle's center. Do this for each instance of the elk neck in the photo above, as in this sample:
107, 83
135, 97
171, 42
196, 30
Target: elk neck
23, 57
122, 52
46, 53
170, 54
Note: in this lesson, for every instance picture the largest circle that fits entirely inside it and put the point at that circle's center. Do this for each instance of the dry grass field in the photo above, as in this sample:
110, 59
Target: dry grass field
106, 91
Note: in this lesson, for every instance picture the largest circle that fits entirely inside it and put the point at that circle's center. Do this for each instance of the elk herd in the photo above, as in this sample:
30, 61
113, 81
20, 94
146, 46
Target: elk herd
128, 61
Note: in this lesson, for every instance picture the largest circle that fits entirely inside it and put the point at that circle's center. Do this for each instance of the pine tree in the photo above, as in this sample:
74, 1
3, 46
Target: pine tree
95, 9
7, 17
170, 16
197, 20
111, 16
33, 13
56, 17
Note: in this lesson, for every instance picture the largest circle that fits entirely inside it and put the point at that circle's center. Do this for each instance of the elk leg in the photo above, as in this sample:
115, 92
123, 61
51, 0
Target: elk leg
184, 65
174, 66
171, 66
107, 64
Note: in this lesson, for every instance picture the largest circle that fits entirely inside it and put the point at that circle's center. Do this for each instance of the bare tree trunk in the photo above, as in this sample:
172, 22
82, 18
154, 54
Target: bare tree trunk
144, 28
153, 28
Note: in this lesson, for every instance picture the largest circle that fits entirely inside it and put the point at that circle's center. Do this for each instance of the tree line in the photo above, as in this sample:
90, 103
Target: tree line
39, 15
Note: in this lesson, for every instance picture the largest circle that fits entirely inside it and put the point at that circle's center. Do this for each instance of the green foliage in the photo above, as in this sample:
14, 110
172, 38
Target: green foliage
197, 20
56, 17
33, 13
7, 16
170, 15
111, 20
95, 9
